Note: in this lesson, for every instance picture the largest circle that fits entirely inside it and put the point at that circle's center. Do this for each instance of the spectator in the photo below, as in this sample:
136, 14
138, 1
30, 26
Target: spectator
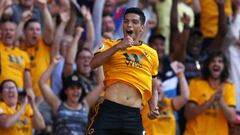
18, 116
17, 9
212, 101
82, 55
61, 43
15, 63
37, 45
70, 110
209, 18
231, 48
165, 124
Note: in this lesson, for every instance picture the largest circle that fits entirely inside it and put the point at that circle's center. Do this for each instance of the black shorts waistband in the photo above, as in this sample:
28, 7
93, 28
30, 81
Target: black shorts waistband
107, 102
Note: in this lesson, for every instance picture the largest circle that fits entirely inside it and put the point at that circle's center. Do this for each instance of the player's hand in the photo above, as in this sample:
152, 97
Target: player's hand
126, 42
153, 114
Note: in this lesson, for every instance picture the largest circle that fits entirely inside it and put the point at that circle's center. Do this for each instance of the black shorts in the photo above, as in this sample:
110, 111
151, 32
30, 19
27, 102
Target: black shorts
115, 119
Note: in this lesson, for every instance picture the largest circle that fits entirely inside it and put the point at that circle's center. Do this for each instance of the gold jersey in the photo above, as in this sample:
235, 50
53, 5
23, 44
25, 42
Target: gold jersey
40, 60
13, 63
164, 124
134, 66
23, 126
212, 121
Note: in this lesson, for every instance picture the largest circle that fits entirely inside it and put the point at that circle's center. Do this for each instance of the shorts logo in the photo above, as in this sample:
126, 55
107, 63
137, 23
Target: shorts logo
144, 133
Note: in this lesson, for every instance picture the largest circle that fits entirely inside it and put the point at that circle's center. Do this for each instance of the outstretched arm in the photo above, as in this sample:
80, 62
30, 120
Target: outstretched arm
181, 100
87, 17
64, 15
71, 53
222, 26
92, 97
47, 92
48, 22
178, 41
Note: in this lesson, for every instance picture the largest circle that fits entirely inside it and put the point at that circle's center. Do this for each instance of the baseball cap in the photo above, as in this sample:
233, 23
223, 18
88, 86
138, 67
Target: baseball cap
72, 80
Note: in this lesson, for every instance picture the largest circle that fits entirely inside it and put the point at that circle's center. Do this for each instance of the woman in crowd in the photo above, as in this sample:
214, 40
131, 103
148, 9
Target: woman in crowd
18, 115
70, 109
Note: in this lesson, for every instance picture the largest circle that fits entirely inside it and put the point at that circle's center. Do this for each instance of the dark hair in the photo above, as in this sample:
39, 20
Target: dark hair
137, 11
32, 20
107, 14
195, 31
5, 20
68, 83
81, 49
5, 81
154, 37
205, 70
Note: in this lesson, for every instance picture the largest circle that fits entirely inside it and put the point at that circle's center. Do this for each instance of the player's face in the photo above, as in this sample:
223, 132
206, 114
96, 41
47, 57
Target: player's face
8, 33
216, 67
33, 33
132, 25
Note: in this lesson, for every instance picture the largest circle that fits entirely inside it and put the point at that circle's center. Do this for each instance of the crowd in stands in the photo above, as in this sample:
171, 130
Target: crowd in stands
48, 87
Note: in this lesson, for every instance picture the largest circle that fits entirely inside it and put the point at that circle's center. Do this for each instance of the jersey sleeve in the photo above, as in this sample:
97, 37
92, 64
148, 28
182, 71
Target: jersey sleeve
155, 64
104, 45
27, 59
230, 95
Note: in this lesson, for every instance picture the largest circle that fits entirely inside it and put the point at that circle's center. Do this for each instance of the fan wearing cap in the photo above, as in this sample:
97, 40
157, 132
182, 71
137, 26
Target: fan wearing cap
70, 109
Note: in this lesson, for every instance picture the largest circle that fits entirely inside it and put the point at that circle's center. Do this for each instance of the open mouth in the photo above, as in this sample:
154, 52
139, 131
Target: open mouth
129, 32
216, 69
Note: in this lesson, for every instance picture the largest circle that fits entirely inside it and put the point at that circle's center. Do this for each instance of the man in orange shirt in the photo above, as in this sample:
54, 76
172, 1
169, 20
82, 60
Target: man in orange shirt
212, 99
14, 63
129, 65
37, 44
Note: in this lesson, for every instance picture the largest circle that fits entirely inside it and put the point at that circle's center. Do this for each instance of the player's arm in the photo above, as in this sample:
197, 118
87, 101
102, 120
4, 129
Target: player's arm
101, 58
153, 112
